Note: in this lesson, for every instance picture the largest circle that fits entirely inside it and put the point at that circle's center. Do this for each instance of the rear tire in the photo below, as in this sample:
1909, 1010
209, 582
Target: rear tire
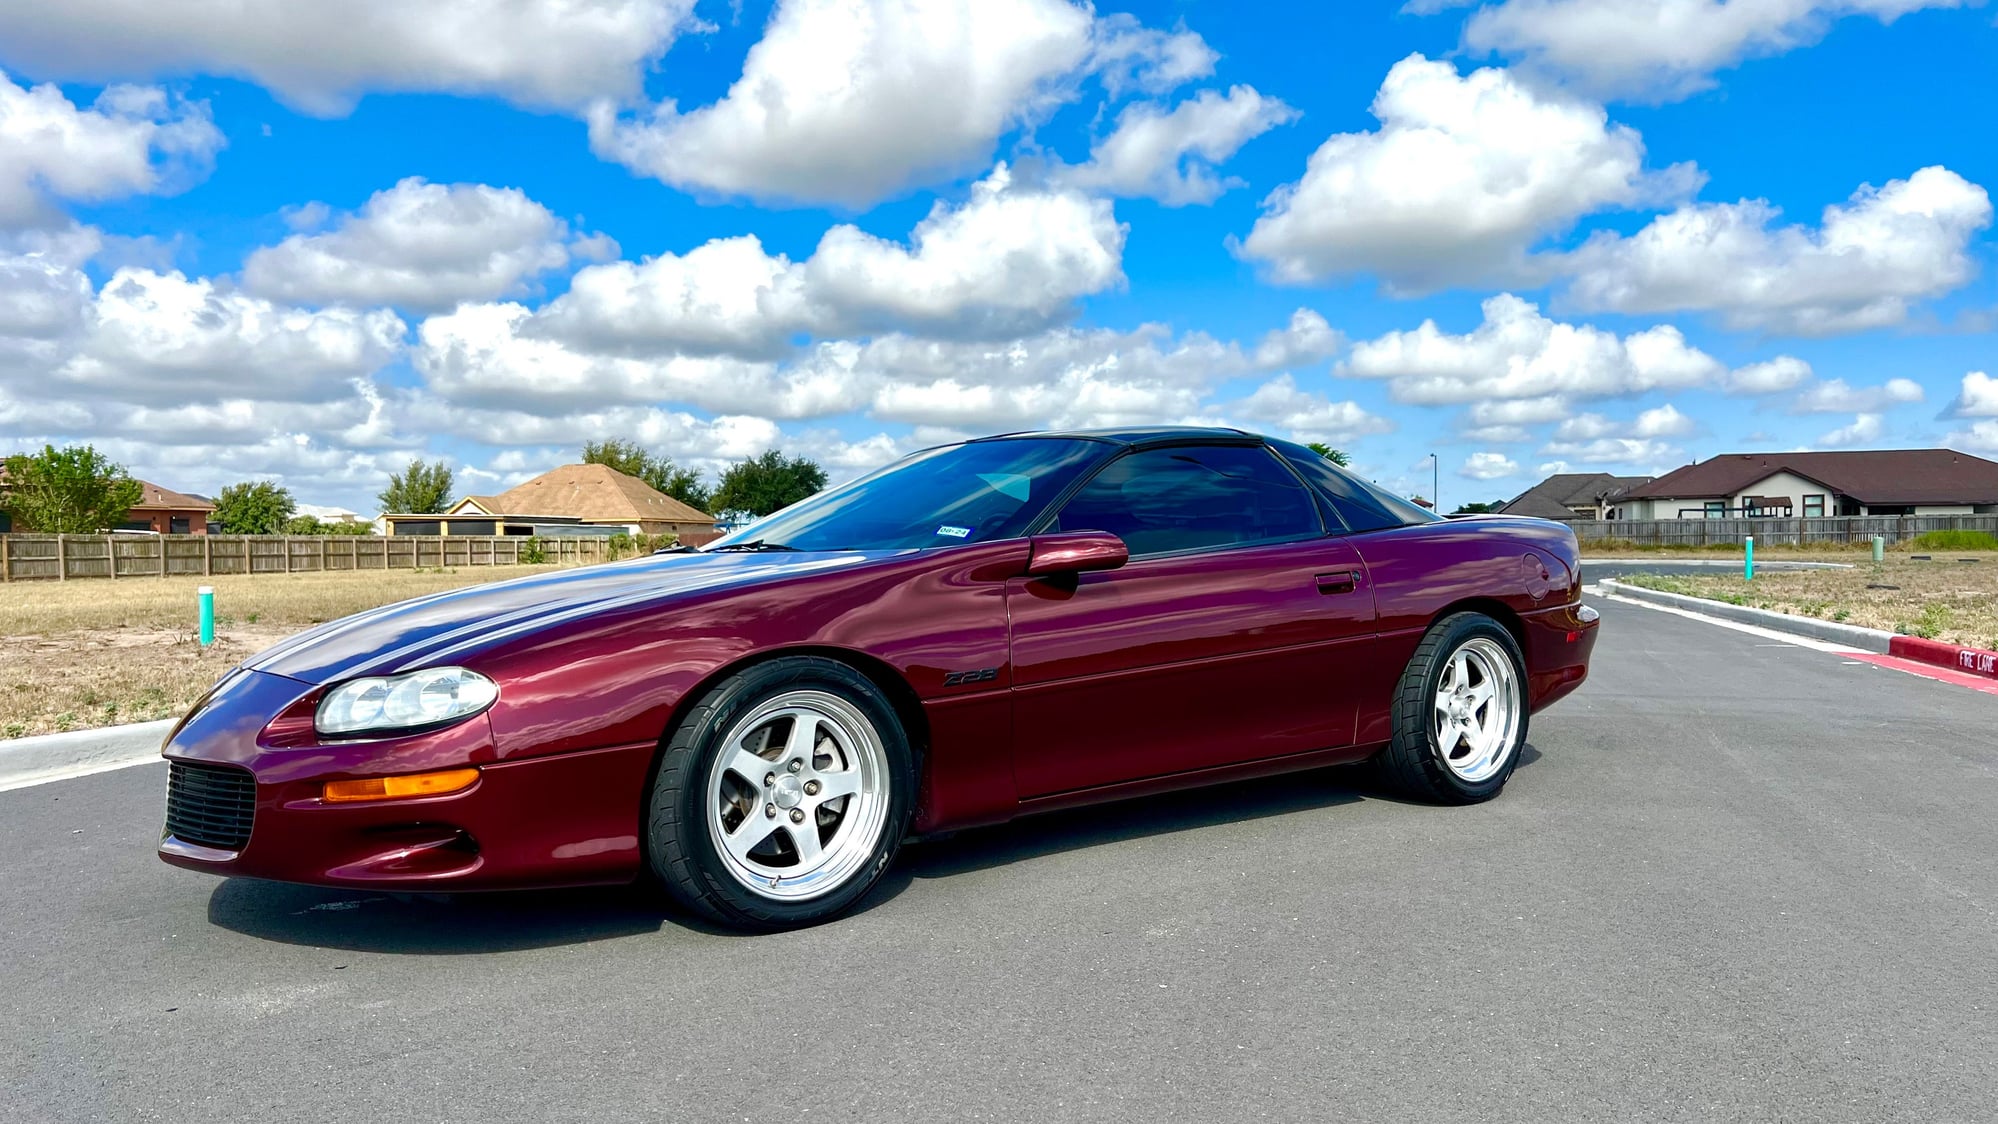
1460, 713
782, 796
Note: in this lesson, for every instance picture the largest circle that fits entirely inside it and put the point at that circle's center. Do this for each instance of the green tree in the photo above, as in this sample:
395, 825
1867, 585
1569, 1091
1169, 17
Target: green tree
422, 488
254, 507
1478, 508
306, 525
1336, 456
763, 484
659, 472
69, 491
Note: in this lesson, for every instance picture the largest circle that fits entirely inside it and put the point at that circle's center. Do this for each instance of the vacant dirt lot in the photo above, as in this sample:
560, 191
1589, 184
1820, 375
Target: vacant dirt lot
1942, 599
97, 653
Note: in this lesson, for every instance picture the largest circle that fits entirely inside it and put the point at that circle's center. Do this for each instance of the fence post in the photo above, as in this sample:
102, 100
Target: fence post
322, 554
286, 541
207, 555
163, 558
62, 560
111, 553
6, 560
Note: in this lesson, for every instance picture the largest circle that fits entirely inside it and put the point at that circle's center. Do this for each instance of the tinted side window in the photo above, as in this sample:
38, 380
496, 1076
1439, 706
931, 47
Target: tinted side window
1191, 498
1359, 506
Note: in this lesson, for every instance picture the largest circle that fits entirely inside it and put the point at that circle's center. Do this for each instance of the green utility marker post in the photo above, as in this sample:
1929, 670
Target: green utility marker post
1748, 563
207, 596
1879, 547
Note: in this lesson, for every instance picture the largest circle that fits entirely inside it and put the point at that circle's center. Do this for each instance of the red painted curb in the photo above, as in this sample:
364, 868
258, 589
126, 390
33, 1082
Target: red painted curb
1976, 661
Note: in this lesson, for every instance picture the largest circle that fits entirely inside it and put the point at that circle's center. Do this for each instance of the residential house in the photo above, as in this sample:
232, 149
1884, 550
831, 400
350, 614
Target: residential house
1811, 485
159, 510
1575, 495
575, 499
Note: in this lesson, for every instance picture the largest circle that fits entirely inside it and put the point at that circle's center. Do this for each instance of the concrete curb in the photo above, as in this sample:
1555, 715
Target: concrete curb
54, 757
1717, 563
1956, 657
1851, 635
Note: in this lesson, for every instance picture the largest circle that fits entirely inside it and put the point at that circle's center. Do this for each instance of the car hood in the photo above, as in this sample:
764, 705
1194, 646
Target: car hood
413, 634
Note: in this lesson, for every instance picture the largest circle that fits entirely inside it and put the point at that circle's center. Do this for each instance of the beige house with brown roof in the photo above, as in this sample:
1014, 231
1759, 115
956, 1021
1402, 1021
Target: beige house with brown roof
597, 495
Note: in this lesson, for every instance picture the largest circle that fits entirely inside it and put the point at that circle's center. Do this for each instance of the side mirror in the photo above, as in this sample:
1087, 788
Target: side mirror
1076, 552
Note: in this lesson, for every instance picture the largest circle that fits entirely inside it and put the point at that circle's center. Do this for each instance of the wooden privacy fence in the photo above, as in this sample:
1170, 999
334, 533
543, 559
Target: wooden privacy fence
72, 557
1777, 532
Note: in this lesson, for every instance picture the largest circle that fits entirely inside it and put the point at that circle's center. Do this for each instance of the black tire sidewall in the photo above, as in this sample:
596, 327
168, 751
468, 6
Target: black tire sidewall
680, 849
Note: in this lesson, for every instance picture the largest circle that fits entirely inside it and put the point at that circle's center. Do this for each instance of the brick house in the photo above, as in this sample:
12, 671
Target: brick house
160, 510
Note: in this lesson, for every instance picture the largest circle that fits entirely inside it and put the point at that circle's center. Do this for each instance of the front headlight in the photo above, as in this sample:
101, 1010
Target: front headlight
404, 702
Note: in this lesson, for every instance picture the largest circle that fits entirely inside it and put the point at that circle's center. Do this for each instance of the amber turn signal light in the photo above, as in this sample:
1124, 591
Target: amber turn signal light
392, 788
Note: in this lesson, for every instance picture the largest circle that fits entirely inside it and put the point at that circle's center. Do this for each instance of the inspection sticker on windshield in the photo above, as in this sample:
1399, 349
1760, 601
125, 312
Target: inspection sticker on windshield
949, 531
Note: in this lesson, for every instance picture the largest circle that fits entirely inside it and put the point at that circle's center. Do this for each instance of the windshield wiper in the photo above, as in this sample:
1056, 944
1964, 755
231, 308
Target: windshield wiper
753, 545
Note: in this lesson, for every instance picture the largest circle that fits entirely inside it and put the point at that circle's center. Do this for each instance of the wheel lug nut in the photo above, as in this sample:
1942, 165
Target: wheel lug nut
811, 788
770, 810
770, 780
796, 764
797, 815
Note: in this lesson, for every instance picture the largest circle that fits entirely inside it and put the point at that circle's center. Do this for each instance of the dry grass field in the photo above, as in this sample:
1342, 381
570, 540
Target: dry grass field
1941, 599
75, 655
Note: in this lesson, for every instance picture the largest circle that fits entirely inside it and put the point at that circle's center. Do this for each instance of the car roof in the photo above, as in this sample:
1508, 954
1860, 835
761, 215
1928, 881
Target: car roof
1139, 434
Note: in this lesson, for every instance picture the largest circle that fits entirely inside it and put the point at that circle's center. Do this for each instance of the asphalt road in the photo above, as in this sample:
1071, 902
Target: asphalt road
1735, 881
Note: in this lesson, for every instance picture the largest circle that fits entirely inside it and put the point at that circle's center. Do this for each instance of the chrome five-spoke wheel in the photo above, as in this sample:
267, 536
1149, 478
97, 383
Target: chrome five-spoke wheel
1477, 710
782, 795
797, 795
1460, 712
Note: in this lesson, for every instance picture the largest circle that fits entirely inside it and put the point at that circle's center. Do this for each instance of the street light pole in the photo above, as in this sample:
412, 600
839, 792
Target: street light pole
1436, 482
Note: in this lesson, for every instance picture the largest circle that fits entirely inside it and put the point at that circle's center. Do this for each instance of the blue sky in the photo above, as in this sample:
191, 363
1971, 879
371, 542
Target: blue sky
308, 243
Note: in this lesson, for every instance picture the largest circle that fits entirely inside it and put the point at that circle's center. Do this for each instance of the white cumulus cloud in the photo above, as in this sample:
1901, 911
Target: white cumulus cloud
1785, 372
1006, 260
1835, 396
1978, 398
1282, 405
1978, 436
852, 101
1519, 353
1464, 176
1171, 155
1657, 48
419, 245
132, 140
1488, 466
1864, 430
321, 55
163, 339
1861, 268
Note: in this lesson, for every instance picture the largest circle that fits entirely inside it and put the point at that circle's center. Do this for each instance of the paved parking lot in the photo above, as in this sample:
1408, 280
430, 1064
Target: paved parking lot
1735, 880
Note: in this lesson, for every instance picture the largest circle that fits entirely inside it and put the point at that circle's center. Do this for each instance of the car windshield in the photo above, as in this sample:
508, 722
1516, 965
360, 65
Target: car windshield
947, 496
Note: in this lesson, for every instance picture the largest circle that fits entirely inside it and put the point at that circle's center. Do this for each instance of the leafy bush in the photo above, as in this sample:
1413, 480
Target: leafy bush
1955, 540
532, 553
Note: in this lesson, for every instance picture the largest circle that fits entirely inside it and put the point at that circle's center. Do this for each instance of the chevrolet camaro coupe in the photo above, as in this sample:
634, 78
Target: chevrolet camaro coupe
976, 632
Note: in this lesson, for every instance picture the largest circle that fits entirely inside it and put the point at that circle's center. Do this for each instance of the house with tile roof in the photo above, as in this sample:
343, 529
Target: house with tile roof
1575, 495
1811, 485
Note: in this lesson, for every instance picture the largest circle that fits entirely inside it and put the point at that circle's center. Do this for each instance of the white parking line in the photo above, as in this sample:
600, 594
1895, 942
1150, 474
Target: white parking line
1753, 630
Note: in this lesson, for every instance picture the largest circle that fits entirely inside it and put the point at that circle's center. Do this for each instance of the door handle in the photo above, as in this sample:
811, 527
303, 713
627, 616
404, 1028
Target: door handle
1344, 581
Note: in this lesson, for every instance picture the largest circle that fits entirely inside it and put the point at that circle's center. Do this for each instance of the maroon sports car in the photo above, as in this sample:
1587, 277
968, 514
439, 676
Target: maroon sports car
976, 632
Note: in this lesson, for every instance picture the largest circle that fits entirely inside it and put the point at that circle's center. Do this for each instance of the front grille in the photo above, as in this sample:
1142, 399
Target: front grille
211, 805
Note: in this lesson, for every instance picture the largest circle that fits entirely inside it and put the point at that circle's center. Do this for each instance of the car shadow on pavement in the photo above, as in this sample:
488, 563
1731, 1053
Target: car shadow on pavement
439, 924
457, 924
1056, 832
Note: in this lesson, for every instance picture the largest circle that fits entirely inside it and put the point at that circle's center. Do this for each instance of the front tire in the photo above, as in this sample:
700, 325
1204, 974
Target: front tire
1460, 713
782, 796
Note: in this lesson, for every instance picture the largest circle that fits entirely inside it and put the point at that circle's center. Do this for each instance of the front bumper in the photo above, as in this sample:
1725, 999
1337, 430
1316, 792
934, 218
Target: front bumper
563, 820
